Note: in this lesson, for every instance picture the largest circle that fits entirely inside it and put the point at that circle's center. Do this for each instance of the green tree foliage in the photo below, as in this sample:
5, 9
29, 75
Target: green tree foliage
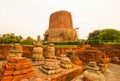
28, 41
94, 35
10, 38
104, 36
1, 40
110, 35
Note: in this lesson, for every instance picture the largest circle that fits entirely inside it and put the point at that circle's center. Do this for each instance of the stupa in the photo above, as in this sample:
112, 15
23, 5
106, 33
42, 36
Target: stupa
38, 51
92, 73
60, 28
16, 67
65, 62
15, 52
50, 52
51, 65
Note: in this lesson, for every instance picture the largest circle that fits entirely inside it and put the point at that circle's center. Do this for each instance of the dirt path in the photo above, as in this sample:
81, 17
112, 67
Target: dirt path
112, 73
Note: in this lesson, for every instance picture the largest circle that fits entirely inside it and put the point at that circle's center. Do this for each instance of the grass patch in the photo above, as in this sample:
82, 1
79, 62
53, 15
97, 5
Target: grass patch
63, 46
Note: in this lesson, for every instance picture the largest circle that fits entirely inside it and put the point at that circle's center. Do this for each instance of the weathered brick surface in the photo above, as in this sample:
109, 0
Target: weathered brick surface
7, 73
110, 50
4, 50
7, 78
76, 61
68, 76
17, 69
27, 51
60, 19
60, 28
10, 67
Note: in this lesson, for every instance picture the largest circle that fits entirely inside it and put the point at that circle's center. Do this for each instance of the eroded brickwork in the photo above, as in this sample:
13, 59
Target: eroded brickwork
60, 28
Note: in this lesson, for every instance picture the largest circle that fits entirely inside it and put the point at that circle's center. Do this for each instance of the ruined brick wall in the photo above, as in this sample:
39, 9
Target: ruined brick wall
4, 50
112, 50
60, 28
27, 51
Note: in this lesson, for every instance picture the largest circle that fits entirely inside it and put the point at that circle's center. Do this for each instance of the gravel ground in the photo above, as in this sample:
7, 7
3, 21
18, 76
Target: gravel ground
111, 74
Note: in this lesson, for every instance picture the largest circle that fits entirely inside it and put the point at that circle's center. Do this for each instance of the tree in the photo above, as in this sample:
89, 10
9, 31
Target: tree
94, 35
104, 36
19, 38
10, 38
28, 41
1, 40
110, 35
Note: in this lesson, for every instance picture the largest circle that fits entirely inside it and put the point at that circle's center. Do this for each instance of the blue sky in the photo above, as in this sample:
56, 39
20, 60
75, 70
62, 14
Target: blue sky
31, 17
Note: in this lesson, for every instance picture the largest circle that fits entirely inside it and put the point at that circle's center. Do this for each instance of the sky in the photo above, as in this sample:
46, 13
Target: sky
31, 17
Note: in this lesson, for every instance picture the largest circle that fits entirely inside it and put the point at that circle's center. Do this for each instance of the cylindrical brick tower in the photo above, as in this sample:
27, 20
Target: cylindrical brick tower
60, 19
60, 28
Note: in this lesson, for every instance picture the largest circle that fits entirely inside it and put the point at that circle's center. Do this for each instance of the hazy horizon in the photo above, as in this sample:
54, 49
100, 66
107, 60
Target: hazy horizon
31, 17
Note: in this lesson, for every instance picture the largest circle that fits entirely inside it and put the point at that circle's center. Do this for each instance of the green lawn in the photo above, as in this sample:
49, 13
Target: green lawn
64, 46
58, 46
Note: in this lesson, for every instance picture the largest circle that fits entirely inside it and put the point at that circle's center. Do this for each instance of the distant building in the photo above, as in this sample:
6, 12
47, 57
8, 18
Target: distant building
60, 28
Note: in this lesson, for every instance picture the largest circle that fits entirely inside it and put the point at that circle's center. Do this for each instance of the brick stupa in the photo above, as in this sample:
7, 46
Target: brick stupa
16, 67
38, 51
61, 28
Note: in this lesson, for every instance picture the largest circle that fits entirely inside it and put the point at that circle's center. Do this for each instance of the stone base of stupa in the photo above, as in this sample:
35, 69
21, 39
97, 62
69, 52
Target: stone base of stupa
51, 71
66, 65
51, 66
15, 56
50, 57
37, 58
38, 63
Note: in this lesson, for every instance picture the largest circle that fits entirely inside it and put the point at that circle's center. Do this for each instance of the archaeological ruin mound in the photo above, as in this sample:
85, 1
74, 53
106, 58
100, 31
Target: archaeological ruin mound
60, 28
